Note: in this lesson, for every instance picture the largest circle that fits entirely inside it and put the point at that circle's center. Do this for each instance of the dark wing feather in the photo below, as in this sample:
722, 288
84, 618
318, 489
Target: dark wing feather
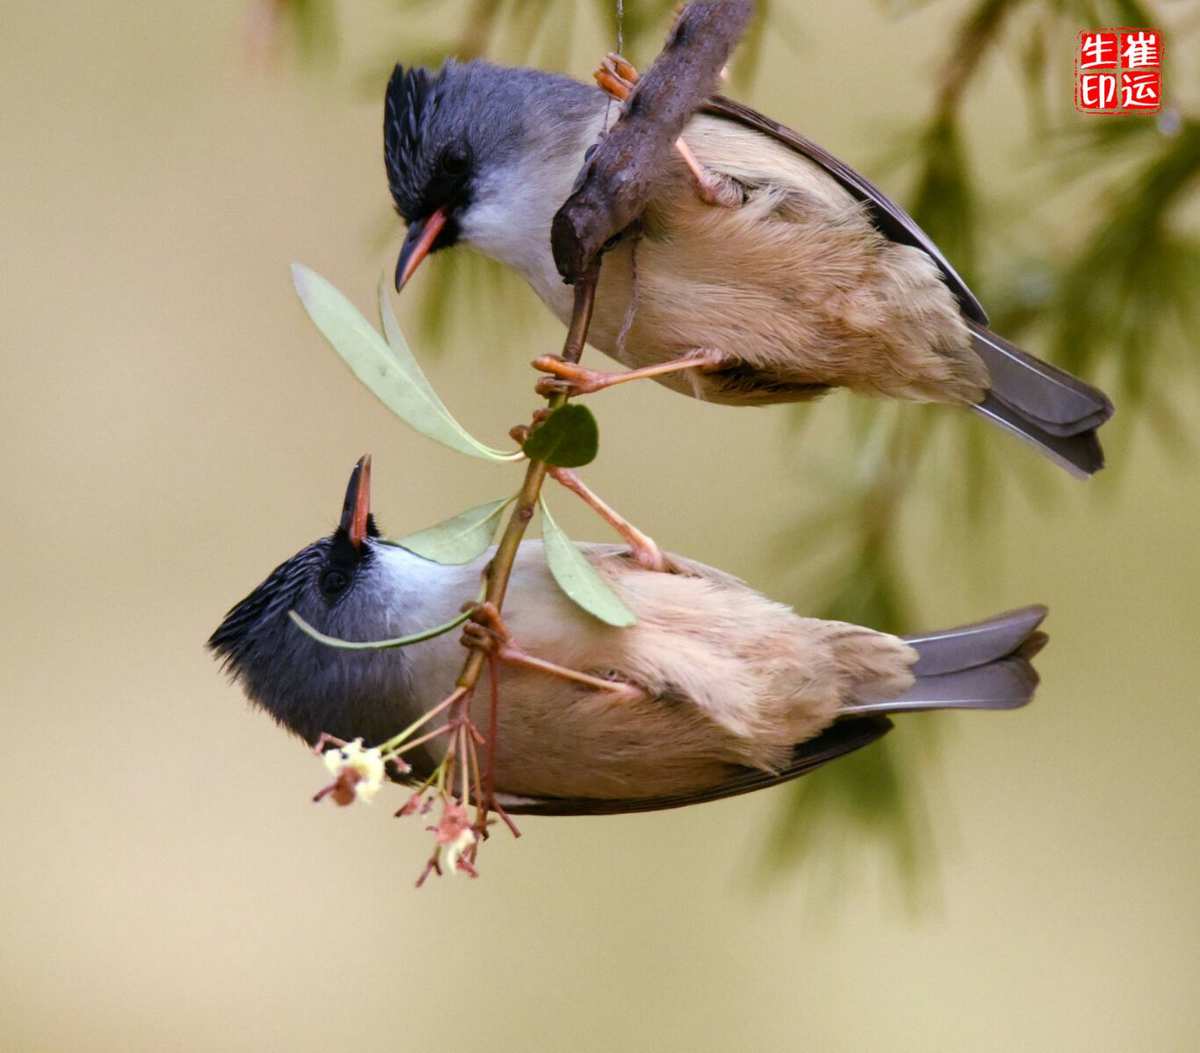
889, 217
844, 737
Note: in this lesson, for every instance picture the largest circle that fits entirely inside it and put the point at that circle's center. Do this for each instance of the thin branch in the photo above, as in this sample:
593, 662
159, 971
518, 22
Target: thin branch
617, 180
499, 570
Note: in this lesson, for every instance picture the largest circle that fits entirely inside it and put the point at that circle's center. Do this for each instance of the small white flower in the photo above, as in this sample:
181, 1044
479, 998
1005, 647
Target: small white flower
452, 851
357, 772
455, 838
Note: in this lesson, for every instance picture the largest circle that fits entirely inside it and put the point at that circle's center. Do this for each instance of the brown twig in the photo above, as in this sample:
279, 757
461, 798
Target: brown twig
616, 182
499, 570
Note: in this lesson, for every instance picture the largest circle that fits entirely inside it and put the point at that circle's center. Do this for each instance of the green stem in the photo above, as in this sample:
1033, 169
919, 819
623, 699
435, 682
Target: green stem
498, 574
500, 569
388, 747
405, 747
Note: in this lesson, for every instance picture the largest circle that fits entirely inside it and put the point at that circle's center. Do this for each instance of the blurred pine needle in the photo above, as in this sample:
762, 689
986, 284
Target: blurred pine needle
1112, 308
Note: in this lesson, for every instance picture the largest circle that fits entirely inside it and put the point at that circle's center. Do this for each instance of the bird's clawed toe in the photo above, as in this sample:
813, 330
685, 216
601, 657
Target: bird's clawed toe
616, 77
569, 379
549, 387
485, 630
479, 638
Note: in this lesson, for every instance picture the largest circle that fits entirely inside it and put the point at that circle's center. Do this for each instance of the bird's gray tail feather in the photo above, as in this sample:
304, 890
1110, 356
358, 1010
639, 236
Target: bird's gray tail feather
1042, 404
987, 665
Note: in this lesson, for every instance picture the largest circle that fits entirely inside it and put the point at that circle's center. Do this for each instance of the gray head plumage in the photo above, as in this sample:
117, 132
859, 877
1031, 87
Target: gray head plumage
447, 134
335, 585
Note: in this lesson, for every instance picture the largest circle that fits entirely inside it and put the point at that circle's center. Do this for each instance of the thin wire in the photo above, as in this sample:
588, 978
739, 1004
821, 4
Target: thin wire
620, 51
631, 309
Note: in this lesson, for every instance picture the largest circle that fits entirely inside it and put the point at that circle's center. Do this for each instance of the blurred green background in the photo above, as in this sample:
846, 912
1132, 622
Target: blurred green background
174, 427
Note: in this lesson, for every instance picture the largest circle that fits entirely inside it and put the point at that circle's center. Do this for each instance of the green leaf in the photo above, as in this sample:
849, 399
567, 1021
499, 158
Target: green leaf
378, 645
568, 438
459, 539
392, 374
405, 359
578, 578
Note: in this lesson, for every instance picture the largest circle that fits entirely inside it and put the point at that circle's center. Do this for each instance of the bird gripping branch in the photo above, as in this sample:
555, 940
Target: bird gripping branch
619, 177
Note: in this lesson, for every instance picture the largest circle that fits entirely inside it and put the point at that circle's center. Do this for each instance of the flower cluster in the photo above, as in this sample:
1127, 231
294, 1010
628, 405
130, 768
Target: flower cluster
456, 782
357, 773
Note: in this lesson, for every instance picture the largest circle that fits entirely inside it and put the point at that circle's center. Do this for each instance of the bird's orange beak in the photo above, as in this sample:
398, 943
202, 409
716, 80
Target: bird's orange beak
422, 234
357, 505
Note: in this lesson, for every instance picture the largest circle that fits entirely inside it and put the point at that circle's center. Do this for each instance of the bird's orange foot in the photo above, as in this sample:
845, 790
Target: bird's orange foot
642, 548
485, 630
616, 77
567, 378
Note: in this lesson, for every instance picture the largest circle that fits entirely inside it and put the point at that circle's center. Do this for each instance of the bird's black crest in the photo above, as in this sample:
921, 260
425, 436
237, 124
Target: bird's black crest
410, 103
445, 131
248, 624
234, 639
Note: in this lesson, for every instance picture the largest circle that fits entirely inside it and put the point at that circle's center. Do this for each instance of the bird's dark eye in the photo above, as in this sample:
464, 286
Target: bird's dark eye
453, 163
333, 582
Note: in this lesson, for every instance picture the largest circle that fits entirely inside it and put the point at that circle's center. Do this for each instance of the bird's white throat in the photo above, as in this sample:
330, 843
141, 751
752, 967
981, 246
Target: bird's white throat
509, 218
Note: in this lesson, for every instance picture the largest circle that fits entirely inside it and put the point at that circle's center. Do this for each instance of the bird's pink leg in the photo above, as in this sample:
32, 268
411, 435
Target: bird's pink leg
486, 631
642, 547
617, 77
572, 379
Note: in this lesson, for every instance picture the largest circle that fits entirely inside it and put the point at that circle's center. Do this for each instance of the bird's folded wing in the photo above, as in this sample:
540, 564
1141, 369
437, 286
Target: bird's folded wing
889, 217
844, 737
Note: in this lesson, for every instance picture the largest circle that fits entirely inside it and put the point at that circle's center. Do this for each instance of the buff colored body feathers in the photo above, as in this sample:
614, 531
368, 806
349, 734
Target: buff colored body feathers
797, 284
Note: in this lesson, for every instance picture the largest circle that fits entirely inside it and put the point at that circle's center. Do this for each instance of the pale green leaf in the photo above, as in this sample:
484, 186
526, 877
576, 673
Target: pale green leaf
389, 375
458, 539
578, 578
568, 438
405, 359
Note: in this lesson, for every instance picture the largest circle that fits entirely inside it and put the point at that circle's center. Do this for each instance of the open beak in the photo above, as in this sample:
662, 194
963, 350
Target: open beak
358, 502
422, 233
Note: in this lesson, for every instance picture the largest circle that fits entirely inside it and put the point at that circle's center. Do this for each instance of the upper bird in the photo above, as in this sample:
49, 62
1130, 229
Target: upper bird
763, 269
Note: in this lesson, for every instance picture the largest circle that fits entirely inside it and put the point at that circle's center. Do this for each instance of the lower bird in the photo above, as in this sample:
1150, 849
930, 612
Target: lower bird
763, 270
716, 690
